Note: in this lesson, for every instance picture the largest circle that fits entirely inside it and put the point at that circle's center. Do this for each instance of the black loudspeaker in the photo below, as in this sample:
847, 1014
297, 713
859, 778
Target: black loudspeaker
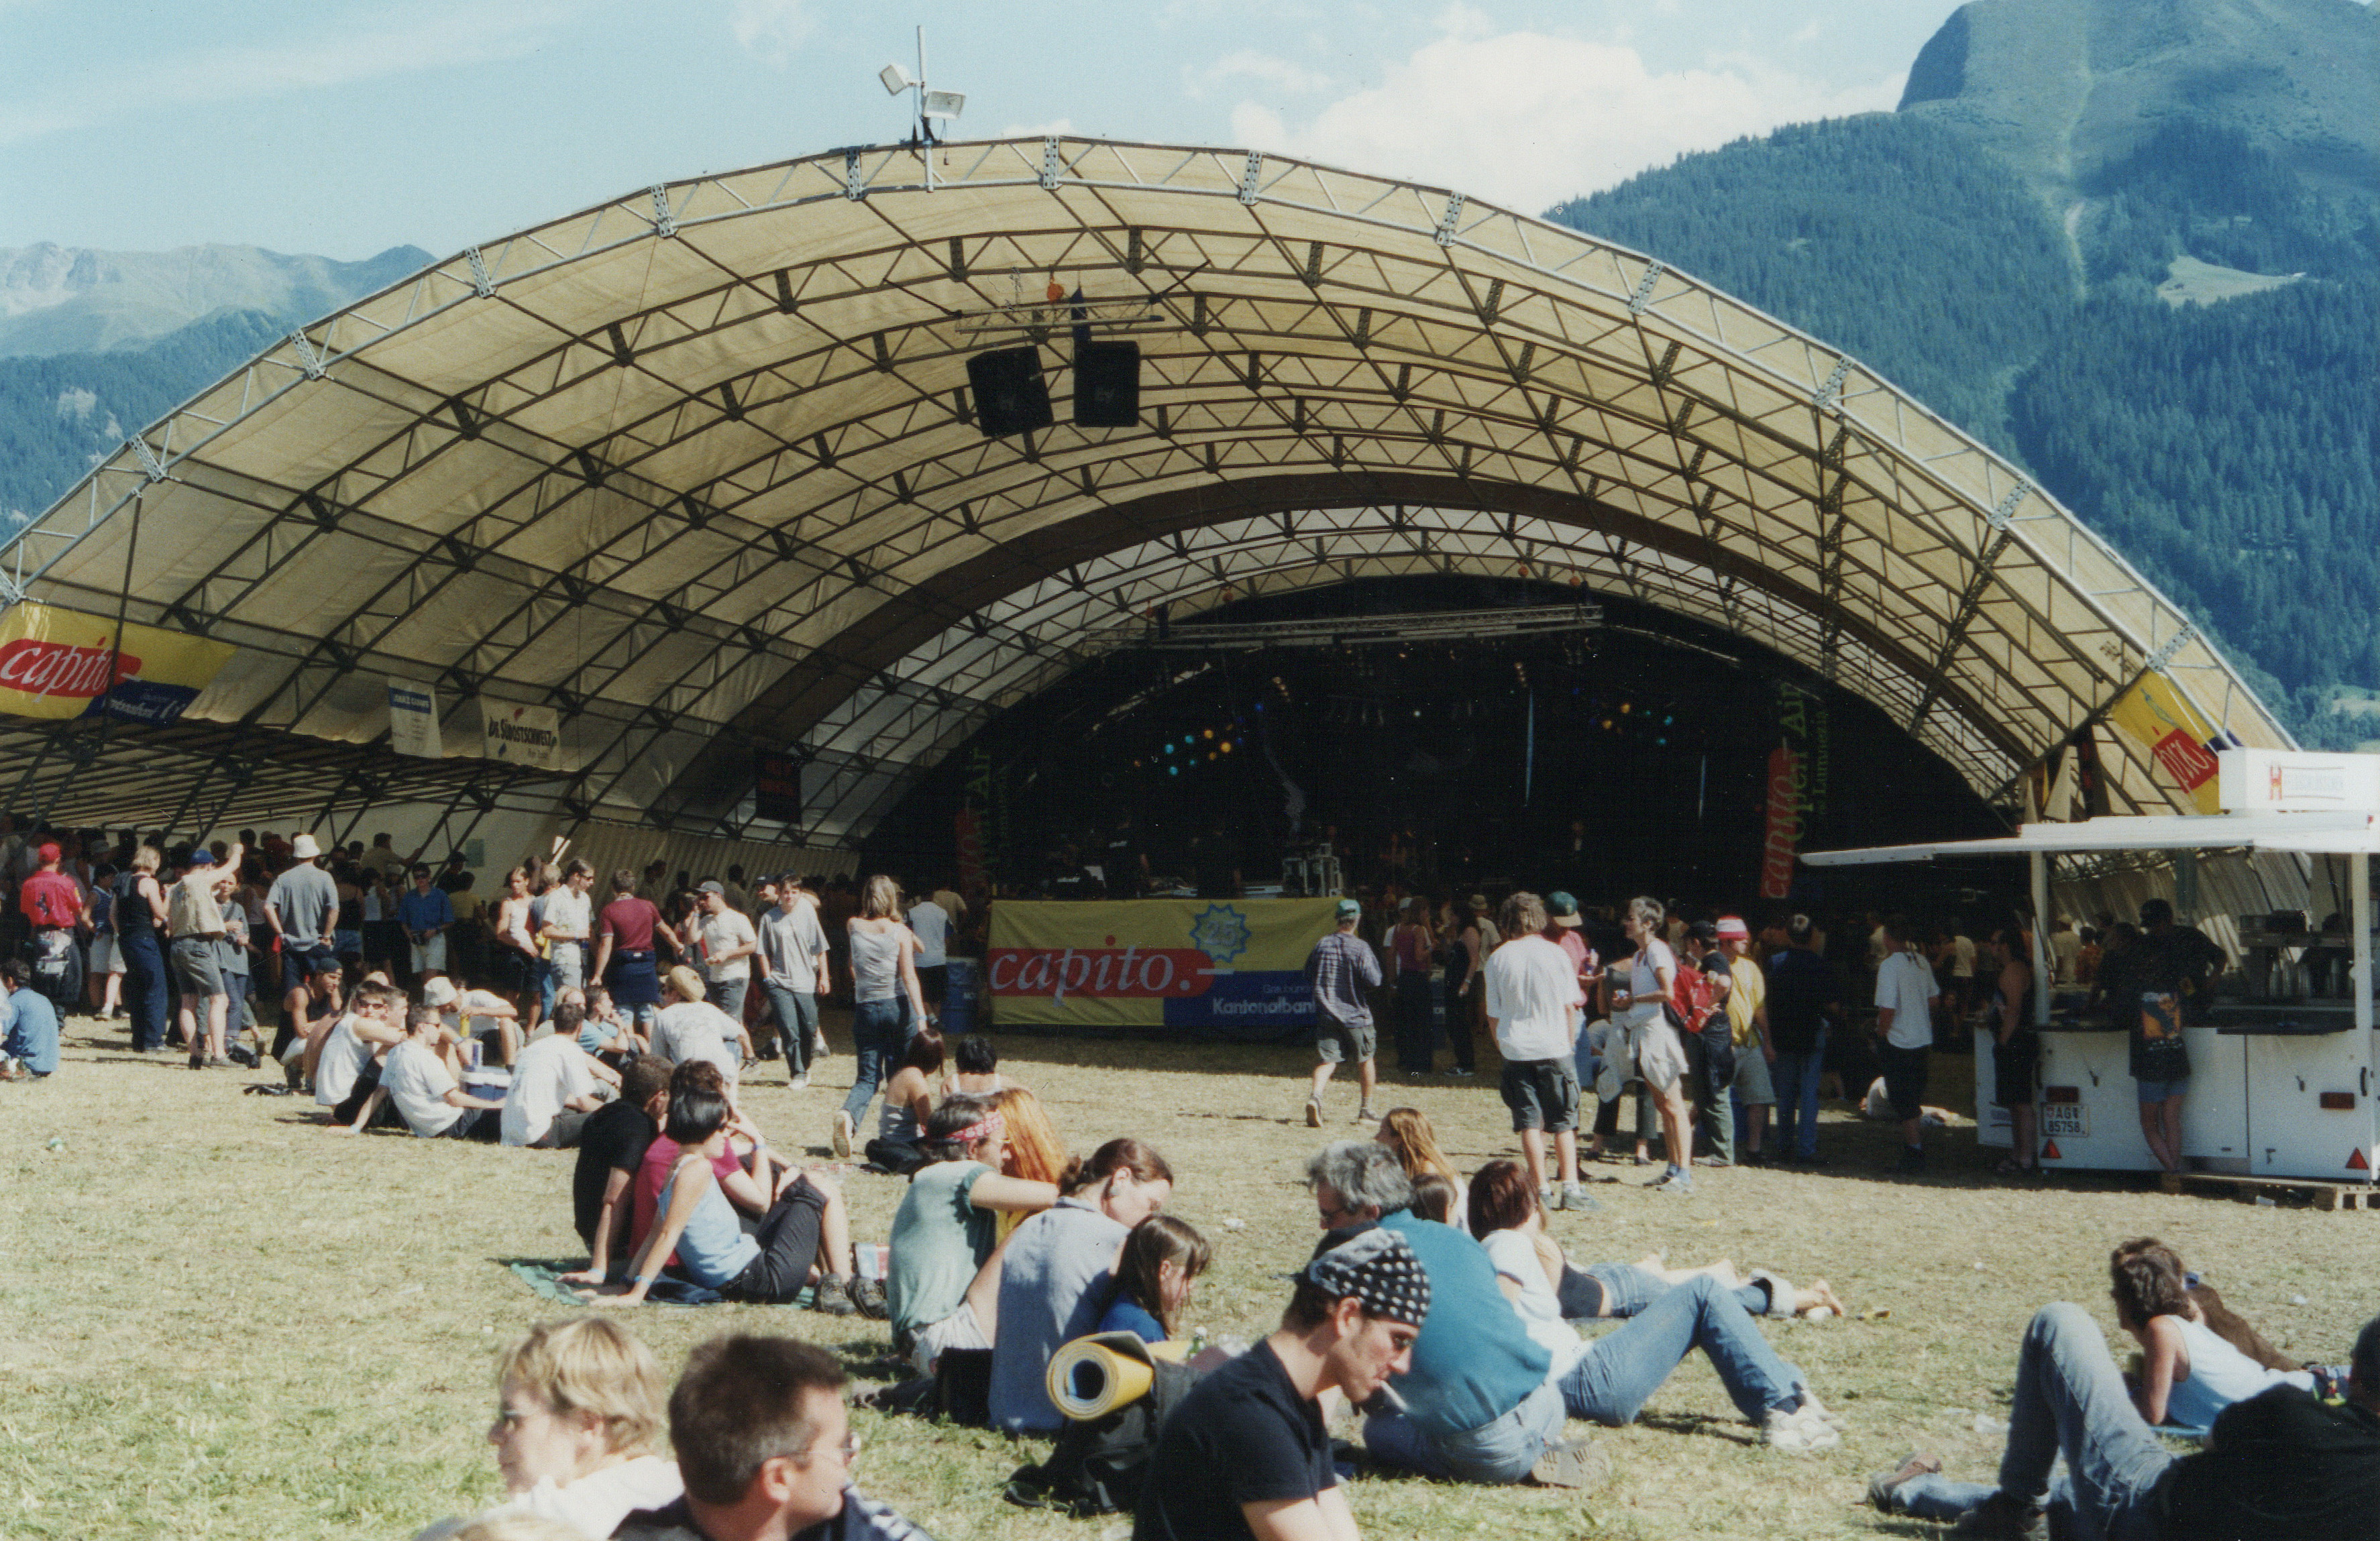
1009, 395
1106, 384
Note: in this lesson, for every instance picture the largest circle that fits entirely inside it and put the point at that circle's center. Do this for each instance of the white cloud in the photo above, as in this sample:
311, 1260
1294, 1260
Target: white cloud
772, 30
437, 40
1266, 69
1525, 119
1062, 127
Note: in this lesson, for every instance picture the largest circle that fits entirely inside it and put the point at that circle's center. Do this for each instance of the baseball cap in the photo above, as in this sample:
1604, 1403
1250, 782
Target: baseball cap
710, 885
1732, 928
1561, 909
49, 851
1379, 1269
200, 856
1350, 910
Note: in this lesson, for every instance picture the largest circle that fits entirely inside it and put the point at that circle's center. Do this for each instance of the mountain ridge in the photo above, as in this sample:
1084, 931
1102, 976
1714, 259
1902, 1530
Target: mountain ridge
56, 299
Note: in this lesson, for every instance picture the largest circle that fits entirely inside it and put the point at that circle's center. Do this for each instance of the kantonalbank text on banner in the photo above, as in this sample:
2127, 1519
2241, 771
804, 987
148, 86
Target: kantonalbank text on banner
1221, 968
59, 663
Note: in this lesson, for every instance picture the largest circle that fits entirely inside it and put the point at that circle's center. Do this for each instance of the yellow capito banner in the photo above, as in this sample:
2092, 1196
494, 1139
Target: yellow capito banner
1235, 967
59, 663
2160, 717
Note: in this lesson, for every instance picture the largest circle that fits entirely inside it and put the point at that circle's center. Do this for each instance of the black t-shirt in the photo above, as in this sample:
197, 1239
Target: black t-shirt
613, 1140
1242, 1435
2280, 1466
1803, 994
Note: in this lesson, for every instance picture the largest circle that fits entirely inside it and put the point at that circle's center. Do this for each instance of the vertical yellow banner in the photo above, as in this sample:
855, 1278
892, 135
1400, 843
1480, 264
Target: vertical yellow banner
2156, 715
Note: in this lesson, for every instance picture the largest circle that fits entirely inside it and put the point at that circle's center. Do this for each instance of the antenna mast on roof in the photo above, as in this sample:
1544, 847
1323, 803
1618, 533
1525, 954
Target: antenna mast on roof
929, 104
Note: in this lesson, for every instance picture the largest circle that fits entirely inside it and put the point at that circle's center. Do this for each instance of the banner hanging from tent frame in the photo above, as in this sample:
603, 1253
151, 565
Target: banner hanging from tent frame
1230, 968
58, 664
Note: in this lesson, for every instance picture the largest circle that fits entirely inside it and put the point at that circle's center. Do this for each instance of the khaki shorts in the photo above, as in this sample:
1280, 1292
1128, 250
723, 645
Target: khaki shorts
1339, 1042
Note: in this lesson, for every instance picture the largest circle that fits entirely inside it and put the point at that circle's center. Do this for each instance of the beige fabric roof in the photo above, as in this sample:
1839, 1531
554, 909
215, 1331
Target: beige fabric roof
699, 467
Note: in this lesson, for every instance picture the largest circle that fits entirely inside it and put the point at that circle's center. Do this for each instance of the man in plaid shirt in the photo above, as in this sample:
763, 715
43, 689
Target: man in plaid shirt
1341, 969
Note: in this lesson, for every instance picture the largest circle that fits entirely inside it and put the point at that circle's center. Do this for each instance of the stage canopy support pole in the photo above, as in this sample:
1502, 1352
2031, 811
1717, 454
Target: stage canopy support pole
2043, 962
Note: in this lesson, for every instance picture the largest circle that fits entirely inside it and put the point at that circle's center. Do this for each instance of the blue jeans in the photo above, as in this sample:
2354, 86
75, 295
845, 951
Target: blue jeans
2071, 1402
797, 1014
144, 994
877, 1039
1621, 1368
1626, 1290
1795, 1077
1500, 1450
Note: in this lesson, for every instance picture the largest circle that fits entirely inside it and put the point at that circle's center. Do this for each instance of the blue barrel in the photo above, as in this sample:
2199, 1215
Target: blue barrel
959, 996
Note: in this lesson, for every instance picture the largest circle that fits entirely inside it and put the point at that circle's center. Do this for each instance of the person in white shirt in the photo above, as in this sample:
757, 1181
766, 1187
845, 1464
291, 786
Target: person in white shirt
472, 1013
691, 1028
2065, 952
933, 925
728, 943
555, 1085
1904, 1022
345, 1056
422, 1080
566, 919
1532, 1002
581, 1405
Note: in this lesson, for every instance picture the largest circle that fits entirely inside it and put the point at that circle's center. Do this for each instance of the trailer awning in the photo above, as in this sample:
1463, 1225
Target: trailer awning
2310, 833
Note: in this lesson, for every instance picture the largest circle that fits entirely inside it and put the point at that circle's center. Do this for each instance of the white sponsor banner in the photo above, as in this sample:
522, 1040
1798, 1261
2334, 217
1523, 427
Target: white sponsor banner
521, 735
413, 720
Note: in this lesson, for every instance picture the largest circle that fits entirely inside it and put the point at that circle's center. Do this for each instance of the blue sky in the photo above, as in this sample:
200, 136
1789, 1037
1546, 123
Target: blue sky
342, 127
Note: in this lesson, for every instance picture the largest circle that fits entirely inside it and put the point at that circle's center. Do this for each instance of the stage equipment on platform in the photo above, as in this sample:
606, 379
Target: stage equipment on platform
1009, 395
1312, 873
1374, 631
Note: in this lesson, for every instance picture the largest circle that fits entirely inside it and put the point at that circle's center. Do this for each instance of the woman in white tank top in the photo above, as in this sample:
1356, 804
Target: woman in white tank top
2189, 1373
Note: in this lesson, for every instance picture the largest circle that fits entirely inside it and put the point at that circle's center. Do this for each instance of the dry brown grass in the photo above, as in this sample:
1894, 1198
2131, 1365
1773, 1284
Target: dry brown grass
215, 1319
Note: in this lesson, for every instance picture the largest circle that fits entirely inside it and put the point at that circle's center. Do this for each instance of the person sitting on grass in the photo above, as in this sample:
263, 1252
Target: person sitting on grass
422, 1076
1478, 1403
2281, 1466
942, 1286
611, 1149
765, 1447
1058, 1271
1246, 1455
577, 1430
1437, 1198
1609, 1380
30, 1023
698, 1228
556, 1085
908, 1098
479, 1017
605, 1033
975, 1066
689, 1028
321, 1000
1162, 1260
1408, 1132
344, 1062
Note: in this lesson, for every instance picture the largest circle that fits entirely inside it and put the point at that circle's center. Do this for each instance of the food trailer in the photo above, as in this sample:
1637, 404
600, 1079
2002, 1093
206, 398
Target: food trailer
2283, 1068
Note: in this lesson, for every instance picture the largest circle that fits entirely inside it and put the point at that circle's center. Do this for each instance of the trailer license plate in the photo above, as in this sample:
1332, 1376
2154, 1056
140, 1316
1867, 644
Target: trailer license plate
2066, 1120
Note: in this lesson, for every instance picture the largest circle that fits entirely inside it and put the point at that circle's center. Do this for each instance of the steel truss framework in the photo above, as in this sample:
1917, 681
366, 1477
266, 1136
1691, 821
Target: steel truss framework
699, 468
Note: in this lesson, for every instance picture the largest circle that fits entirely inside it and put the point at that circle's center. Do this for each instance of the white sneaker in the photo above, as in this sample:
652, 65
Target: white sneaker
1314, 1113
842, 1135
817, 1044
1824, 1415
801, 1082
1799, 1432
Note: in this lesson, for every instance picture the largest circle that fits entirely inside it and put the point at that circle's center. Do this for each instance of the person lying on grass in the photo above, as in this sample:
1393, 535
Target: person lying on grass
696, 1233
2187, 1374
1610, 1380
2279, 1466
765, 1447
578, 1431
1247, 1456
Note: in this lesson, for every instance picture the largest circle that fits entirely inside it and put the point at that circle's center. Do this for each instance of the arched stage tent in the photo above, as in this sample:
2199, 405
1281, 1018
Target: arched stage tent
698, 471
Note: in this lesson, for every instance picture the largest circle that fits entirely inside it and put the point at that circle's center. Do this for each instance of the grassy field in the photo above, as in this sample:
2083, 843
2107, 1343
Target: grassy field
216, 1319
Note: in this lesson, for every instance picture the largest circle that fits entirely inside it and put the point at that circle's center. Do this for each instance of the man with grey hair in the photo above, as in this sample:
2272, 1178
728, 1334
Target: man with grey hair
1479, 1403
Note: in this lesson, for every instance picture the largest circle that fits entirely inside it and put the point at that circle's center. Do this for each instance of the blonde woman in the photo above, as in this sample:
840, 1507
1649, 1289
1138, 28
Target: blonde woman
1408, 1132
578, 1430
883, 979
